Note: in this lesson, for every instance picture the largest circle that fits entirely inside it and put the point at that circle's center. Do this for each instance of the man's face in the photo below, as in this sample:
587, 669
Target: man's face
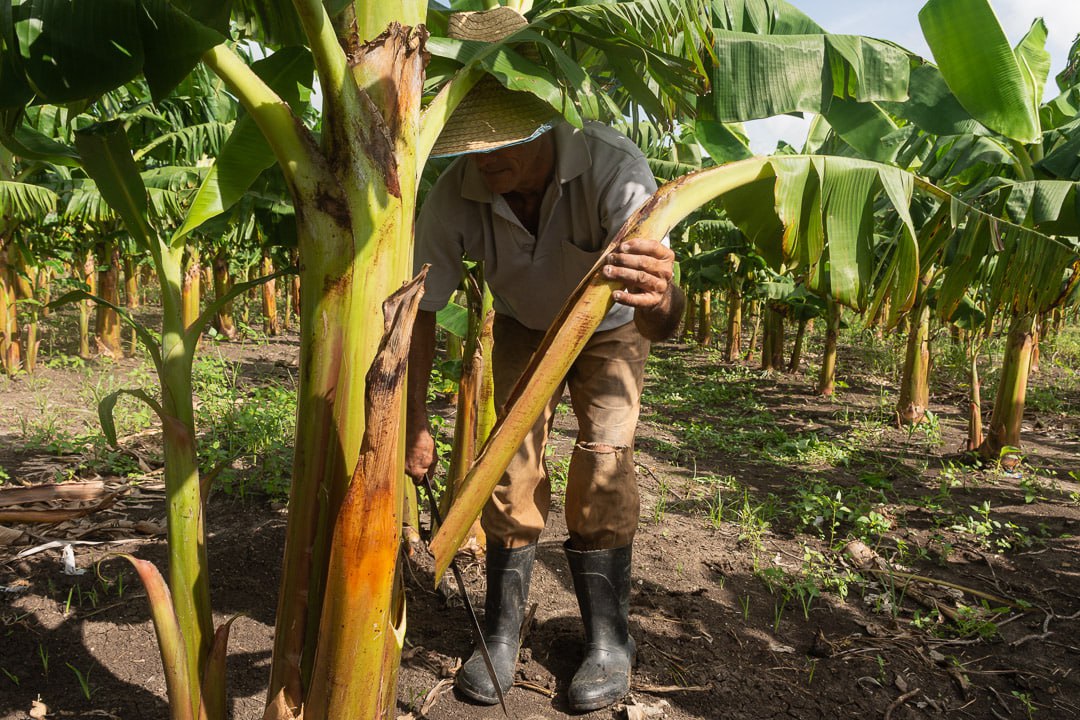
518, 168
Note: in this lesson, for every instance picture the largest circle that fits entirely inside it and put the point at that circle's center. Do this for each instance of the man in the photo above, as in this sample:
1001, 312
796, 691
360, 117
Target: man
537, 206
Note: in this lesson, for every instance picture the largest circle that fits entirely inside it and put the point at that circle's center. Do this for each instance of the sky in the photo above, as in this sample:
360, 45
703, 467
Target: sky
898, 20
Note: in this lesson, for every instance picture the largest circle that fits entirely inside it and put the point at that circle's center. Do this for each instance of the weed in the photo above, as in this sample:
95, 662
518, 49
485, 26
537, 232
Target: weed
810, 449
1025, 700
778, 614
660, 508
248, 433
744, 603
753, 521
10, 675
929, 429
65, 362
990, 532
716, 510
872, 525
1032, 487
823, 506
43, 653
84, 680
558, 471
978, 621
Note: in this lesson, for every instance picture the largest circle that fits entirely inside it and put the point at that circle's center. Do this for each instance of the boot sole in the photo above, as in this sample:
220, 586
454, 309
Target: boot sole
476, 696
598, 704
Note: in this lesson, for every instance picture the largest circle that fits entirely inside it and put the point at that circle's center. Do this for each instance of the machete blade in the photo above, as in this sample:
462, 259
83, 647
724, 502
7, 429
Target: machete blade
477, 631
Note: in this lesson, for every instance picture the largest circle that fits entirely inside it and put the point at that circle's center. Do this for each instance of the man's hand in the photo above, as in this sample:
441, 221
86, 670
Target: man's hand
645, 268
419, 453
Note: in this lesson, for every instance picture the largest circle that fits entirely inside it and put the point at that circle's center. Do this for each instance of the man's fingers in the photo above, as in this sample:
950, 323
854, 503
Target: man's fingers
644, 246
645, 268
638, 299
637, 279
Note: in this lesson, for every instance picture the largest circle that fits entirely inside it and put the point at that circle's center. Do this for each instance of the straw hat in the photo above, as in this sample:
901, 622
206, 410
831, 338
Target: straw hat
490, 116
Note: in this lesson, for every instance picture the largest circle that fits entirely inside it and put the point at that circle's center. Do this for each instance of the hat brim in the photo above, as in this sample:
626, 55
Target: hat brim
492, 117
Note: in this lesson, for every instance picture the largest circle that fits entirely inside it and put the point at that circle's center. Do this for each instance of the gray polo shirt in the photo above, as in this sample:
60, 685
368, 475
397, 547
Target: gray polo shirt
601, 178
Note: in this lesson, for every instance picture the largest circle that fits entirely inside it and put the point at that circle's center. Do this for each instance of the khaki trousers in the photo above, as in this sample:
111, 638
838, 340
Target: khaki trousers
605, 382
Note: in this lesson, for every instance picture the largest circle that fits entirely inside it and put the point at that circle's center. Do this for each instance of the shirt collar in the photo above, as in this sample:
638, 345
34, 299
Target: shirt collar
572, 159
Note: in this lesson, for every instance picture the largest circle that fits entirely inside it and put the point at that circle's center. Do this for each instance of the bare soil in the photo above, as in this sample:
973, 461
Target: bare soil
715, 639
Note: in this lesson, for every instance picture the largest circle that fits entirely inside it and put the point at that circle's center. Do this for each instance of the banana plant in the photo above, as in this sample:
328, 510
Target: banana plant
20, 204
354, 186
1035, 189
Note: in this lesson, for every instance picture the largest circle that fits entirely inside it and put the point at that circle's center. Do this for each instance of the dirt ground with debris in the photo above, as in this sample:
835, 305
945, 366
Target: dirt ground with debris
716, 638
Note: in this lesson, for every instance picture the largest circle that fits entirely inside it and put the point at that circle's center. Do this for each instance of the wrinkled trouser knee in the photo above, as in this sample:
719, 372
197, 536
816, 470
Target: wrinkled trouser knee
508, 576
602, 502
602, 583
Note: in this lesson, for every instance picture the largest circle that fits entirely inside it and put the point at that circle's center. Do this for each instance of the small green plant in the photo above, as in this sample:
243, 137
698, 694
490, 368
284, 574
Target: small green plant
660, 508
978, 621
778, 613
1026, 701
805, 590
929, 429
43, 653
84, 680
872, 526
753, 521
744, 603
10, 675
823, 506
247, 432
992, 533
65, 362
558, 470
716, 510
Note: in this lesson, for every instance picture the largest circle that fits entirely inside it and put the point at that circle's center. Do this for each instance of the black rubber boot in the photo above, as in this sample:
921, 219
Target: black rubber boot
508, 574
602, 582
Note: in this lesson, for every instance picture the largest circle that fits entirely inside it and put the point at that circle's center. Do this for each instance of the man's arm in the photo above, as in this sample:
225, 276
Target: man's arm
419, 445
646, 269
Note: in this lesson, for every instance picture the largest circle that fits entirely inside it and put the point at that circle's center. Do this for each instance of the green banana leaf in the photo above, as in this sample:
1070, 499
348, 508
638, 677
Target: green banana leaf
65, 50
106, 157
757, 76
23, 201
246, 154
992, 82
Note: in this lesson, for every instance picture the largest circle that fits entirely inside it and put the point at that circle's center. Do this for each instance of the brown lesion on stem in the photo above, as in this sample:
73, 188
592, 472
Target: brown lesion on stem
389, 75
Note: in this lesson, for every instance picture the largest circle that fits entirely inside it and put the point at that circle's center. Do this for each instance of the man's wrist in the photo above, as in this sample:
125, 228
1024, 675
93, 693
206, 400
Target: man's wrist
661, 321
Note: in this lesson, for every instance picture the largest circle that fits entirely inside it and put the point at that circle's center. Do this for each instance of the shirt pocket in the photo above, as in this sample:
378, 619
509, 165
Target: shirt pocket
576, 263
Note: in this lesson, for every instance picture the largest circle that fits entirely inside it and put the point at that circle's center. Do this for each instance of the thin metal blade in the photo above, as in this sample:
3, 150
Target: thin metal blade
480, 643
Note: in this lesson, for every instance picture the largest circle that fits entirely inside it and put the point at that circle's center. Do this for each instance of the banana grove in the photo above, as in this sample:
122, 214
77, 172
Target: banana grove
389, 81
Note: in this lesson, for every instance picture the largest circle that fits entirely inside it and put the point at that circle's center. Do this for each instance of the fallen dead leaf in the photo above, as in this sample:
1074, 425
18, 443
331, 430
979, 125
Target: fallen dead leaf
9, 536
45, 493
780, 648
